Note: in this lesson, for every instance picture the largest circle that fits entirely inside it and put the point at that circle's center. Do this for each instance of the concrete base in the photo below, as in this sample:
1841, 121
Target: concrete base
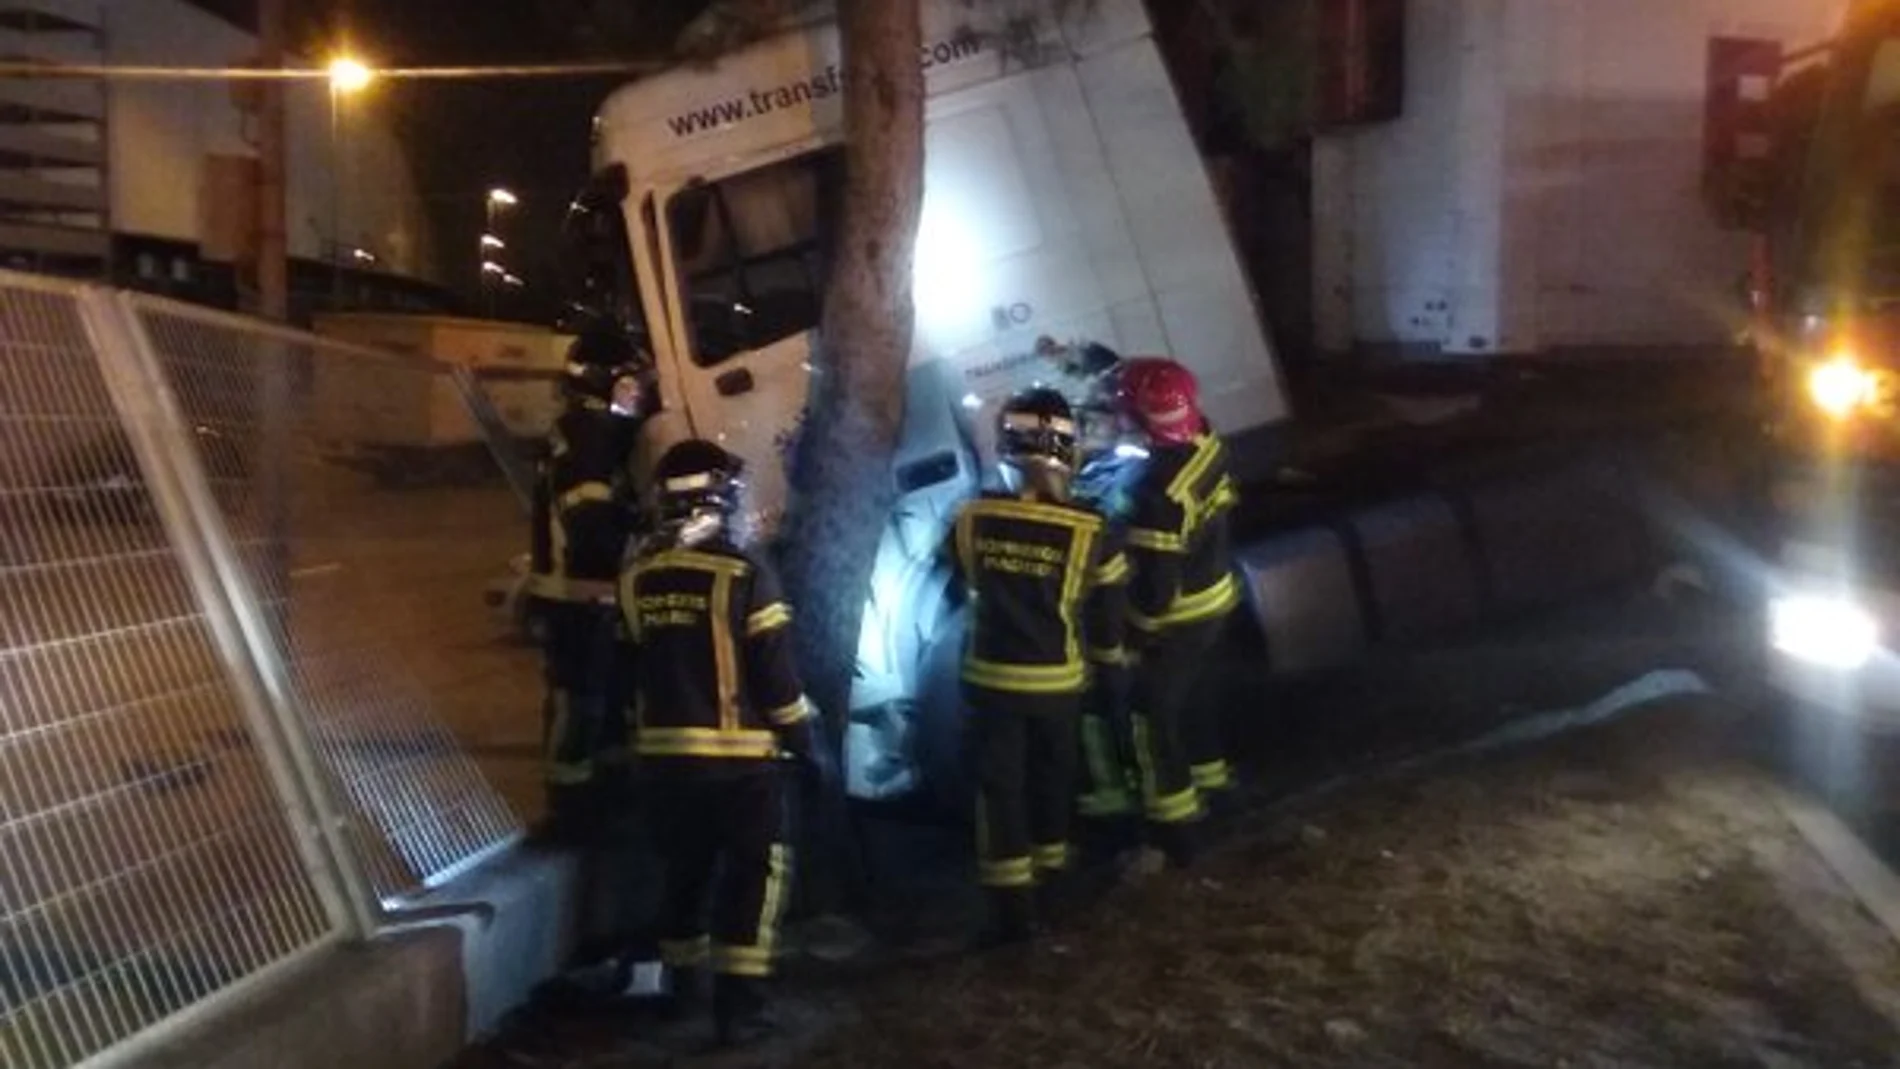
396, 1004
444, 975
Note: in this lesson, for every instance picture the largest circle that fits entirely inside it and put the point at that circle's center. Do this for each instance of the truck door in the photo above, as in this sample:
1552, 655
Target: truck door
747, 256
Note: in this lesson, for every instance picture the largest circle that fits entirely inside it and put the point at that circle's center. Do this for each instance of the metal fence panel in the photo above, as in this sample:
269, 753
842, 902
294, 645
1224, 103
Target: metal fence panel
145, 860
367, 512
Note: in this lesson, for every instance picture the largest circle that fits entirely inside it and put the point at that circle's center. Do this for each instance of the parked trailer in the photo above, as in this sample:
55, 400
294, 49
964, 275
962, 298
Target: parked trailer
406, 429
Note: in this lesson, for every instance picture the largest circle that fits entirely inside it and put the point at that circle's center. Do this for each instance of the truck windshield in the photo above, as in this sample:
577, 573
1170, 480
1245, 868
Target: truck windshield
753, 253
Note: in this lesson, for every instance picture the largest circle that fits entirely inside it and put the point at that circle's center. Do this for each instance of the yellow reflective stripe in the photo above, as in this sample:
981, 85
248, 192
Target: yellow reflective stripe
1112, 571
1050, 857
1026, 679
756, 959
685, 952
725, 672
705, 742
1074, 573
1009, 872
742, 961
1157, 541
1181, 487
1178, 808
1111, 655
1213, 775
775, 615
561, 588
796, 712
1009, 508
1192, 608
584, 493
692, 558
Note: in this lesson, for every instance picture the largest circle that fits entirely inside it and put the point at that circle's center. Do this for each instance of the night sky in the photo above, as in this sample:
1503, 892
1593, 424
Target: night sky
528, 135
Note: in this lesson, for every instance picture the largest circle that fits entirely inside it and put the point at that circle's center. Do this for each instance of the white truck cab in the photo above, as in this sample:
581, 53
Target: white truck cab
1064, 197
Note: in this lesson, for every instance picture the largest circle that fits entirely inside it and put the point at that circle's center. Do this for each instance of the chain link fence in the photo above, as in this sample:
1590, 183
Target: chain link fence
244, 659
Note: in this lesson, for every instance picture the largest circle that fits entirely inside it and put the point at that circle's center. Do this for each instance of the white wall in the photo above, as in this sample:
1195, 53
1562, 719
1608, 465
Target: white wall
1542, 189
161, 133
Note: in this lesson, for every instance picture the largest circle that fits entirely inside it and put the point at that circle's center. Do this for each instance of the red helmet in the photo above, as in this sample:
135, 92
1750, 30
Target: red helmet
1163, 397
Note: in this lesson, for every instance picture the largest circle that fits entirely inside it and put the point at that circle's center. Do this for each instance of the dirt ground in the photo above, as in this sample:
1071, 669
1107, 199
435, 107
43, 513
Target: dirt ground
1630, 896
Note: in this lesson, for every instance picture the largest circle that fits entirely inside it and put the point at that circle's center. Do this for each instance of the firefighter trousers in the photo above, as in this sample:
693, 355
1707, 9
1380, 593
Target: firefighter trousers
722, 838
1025, 754
1177, 742
584, 722
1107, 786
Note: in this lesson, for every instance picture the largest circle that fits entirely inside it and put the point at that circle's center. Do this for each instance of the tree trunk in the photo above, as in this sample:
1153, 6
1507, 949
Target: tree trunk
842, 493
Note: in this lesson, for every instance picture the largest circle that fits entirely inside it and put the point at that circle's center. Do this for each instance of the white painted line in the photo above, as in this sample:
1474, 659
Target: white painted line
1868, 877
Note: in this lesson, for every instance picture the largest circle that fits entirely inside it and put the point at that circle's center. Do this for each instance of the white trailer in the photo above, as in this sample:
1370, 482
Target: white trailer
1064, 197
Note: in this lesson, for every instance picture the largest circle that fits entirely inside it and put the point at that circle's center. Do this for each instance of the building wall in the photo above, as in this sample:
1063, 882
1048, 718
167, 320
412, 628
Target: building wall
162, 133
1542, 189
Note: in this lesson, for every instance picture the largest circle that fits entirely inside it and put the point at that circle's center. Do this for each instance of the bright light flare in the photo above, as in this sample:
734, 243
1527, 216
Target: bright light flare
1824, 631
350, 75
490, 241
490, 267
502, 198
1841, 386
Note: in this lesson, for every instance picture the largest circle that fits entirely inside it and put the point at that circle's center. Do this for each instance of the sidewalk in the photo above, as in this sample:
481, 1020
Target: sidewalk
1628, 896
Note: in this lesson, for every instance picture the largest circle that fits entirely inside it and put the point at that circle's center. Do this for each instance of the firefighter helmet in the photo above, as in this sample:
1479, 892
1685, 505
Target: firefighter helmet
608, 370
1036, 435
698, 484
1163, 398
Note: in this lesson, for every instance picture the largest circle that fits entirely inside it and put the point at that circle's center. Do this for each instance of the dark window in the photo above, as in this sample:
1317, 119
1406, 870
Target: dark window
753, 253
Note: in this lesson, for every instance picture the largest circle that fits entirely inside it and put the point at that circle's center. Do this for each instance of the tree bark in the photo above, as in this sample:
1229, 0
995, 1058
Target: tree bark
842, 492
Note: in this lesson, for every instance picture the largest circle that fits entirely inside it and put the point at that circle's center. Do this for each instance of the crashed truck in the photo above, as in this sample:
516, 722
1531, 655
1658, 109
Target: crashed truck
1064, 199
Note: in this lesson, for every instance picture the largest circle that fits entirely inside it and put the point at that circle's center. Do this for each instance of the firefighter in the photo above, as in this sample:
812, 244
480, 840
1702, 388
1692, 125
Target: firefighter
585, 511
1181, 589
719, 707
1027, 558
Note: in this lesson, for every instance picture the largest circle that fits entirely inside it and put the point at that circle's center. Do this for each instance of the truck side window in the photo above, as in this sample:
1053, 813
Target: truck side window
753, 253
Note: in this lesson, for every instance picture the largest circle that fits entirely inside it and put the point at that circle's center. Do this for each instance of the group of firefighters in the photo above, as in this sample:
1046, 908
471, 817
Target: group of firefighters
668, 650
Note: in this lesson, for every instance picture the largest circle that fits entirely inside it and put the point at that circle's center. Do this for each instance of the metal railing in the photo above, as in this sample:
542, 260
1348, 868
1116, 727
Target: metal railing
236, 636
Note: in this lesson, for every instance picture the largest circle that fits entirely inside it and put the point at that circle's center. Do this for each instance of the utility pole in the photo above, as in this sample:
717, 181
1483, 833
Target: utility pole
272, 473
273, 267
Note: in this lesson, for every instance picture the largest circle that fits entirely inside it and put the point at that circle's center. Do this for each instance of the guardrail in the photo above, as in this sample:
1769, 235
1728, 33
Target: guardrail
228, 660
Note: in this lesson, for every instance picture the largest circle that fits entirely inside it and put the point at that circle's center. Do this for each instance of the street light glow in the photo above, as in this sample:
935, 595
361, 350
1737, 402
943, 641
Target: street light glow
512, 280
490, 267
502, 198
348, 75
490, 241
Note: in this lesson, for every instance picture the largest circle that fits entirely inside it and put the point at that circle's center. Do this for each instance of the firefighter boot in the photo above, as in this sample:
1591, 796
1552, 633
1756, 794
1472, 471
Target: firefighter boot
739, 1011
685, 993
1179, 842
1012, 917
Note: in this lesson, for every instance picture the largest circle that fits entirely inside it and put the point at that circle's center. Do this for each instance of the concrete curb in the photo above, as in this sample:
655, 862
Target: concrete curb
439, 977
1860, 869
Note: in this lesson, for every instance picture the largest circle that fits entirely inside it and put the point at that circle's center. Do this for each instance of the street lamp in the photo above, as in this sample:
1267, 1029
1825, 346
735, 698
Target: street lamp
490, 241
490, 267
501, 198
350, 75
